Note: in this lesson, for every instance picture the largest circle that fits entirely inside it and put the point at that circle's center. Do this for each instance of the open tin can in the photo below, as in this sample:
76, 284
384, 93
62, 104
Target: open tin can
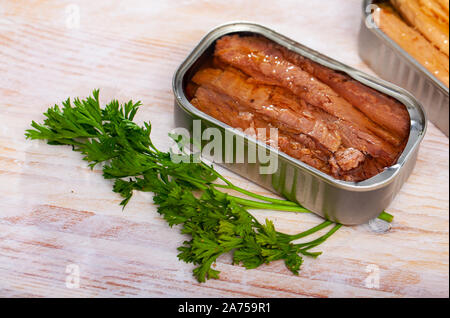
340, 201
394, 64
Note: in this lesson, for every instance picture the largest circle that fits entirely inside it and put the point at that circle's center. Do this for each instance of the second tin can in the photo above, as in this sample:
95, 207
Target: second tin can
394, 64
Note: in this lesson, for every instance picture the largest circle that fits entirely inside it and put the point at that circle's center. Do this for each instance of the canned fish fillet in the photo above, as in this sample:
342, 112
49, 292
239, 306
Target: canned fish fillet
398, 52
344, 180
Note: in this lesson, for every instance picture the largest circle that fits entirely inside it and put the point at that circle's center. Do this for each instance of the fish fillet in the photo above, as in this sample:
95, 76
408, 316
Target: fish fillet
414, 43
434, 30
324, 118
265, 63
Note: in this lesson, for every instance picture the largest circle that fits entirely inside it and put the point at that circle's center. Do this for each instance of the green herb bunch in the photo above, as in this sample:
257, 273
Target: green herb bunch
190, 195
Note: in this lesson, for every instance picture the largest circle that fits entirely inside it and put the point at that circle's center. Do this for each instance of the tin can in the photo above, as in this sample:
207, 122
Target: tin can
394, 64
340, 201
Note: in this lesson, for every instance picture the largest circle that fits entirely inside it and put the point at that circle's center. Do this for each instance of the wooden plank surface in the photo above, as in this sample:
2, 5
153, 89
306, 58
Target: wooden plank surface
58, 217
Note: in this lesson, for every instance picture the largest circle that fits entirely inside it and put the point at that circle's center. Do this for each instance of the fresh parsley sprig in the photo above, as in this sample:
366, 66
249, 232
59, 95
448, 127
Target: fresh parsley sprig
188, 195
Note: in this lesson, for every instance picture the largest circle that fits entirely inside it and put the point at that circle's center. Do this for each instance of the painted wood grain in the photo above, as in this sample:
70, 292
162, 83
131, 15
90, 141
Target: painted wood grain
55, 212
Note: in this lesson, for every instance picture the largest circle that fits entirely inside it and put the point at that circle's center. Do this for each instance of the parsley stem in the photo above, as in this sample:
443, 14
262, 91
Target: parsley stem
268, 206
214, 172
310, 231
197, 182
231, 186
320, 240
386, 217
250, 203
258, 196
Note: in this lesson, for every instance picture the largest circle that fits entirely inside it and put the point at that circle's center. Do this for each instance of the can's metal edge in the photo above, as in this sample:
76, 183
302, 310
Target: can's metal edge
392, 178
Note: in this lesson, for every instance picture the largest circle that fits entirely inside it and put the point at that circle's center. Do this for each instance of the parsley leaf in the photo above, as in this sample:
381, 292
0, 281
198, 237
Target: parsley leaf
187, 194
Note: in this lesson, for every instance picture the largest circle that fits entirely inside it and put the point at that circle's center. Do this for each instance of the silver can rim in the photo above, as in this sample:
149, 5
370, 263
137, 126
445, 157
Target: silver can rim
416, 111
